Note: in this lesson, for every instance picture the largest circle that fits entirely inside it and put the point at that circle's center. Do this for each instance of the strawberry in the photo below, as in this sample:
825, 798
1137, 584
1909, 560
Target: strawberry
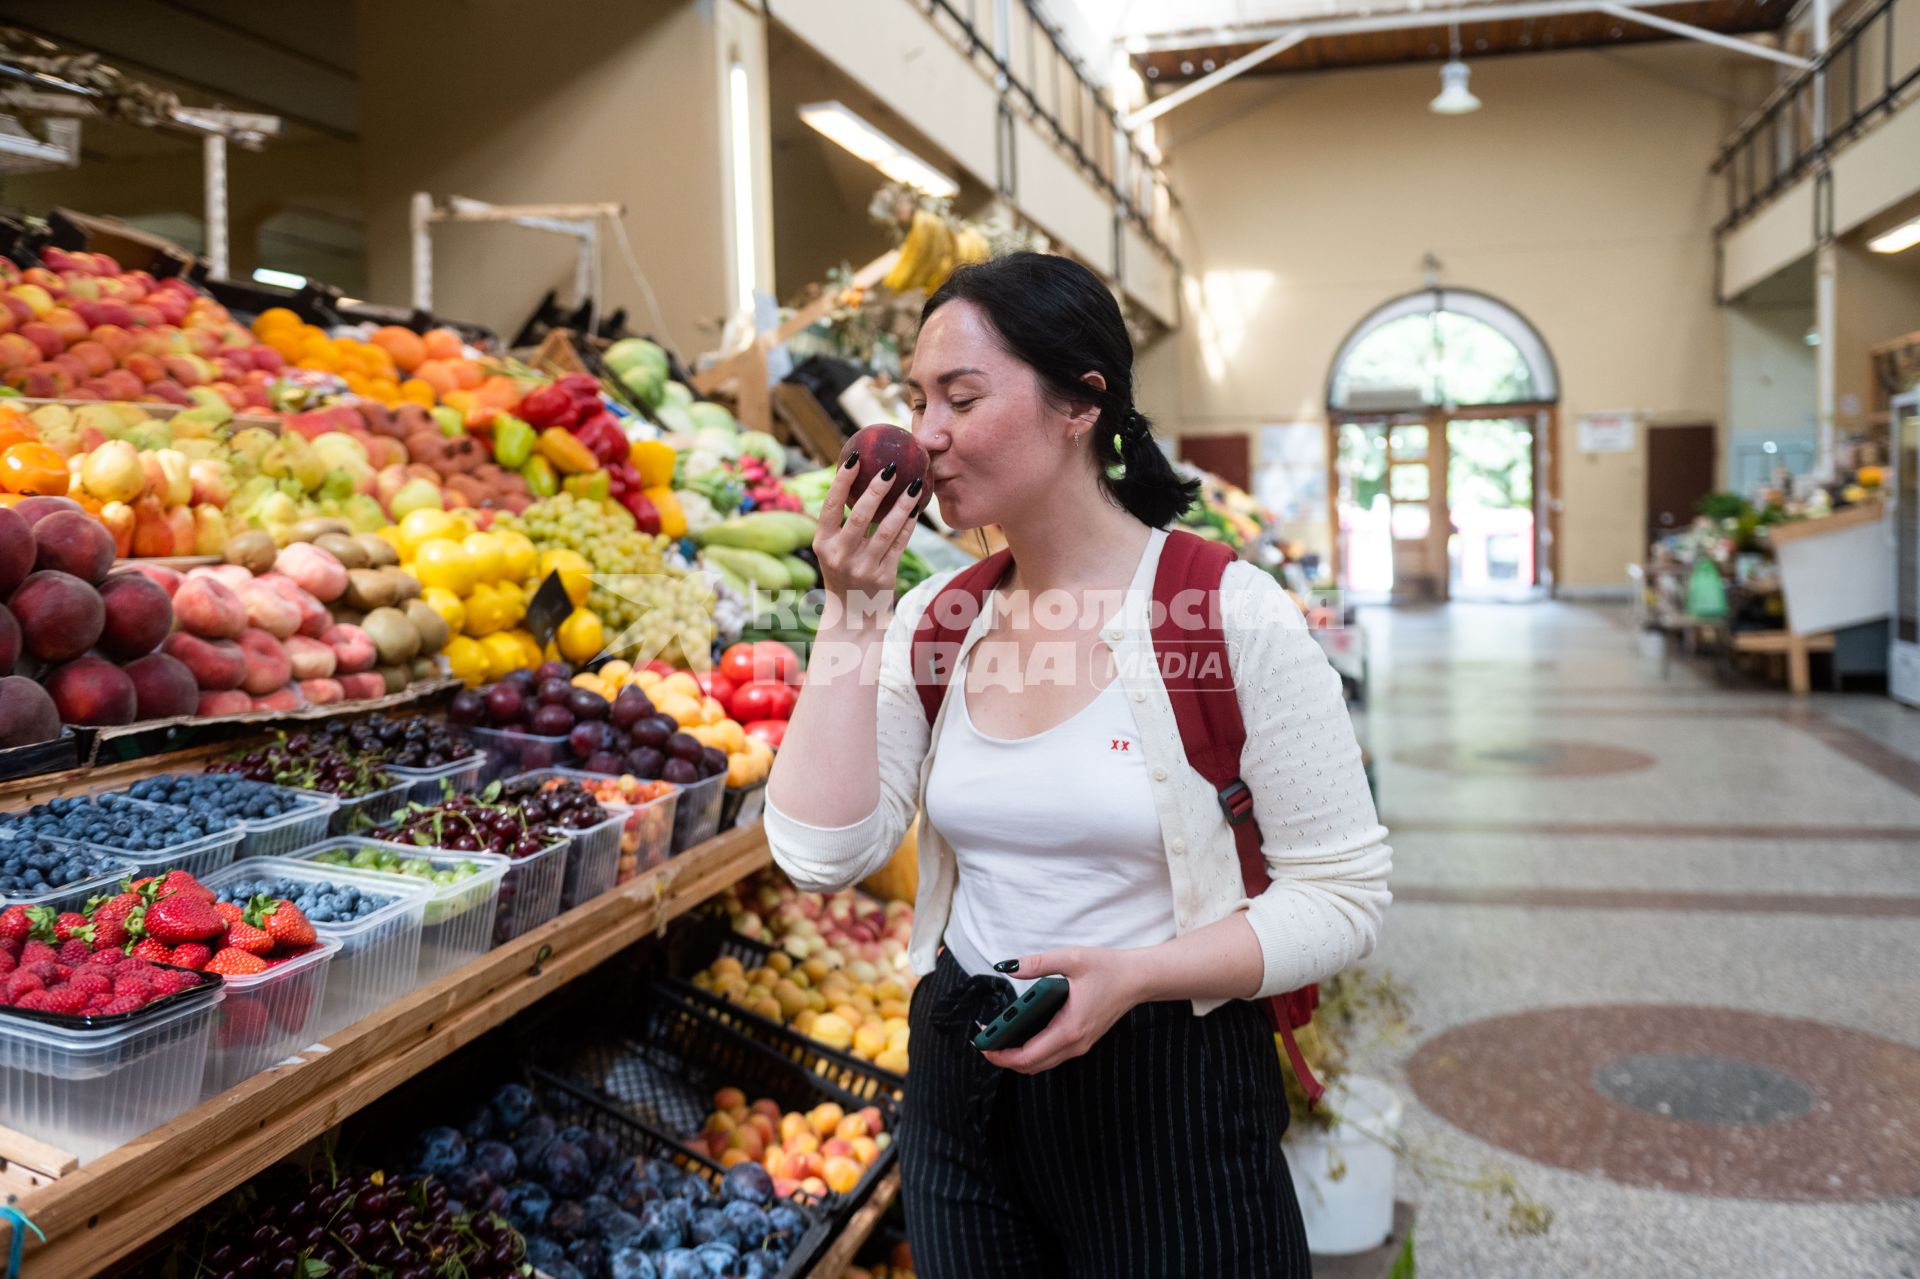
69, 925
15, 924
182, 917
75, 951
114, 918
233, 962
193, 955
229, 911
152, 949
178, 881
244, 936
243, 1022
283, 921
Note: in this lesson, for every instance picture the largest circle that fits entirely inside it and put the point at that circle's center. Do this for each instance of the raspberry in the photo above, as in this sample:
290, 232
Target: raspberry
117, 1005
90, 982
33, 999
36, 951
13, 946
7, 963
133, 987
47, 970
73, 951
64, 1000
21, 983
105, 958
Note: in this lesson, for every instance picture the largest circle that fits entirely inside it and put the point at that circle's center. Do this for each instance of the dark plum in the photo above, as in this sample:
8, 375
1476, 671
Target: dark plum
680, 772
629, 708
645, 762
747, 1183
589, 736
562, 671
684, 746
521, 679
653, 730
605, 762
552, 721
440, 1151
564, 1168
713, 761
587, 704
469, 707
505, 703
568, 1219
554, 692
528, 1203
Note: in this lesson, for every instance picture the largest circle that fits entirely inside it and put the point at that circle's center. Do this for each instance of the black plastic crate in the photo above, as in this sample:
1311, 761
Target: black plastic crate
664, 1077
707, 938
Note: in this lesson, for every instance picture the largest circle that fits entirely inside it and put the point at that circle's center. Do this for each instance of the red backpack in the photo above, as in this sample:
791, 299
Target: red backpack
1192, 655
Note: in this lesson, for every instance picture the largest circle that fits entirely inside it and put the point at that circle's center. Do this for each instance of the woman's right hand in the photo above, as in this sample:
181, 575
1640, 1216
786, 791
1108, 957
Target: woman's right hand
858, 567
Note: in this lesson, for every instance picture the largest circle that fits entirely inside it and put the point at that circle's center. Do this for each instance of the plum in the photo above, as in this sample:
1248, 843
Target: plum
138, 615
496, 1159
684, 746
605, 763
60, 616
512, 1105
713, 761
600, 1151
528, 1203
680, 772
588, 1254
564, 1168
468, 707
747, 1183
567, 1219
554, 692
631, 1262
645, 762
521, 679
682, 1263
505, 703
588, 737
92, 690
544, 1253
629, 708
586, 704
616, 1225
478, 1126
27, 712
720, 1257
710, 1224
787, 1221
653, 730
439, 1151
74, 542
562, 671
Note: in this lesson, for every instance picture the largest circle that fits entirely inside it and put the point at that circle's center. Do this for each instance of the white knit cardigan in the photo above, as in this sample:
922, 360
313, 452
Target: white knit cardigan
1323, 842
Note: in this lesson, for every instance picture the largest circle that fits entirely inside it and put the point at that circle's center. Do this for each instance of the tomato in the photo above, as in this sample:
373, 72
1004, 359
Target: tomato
763, 699
716, 686
766, 661
770, 731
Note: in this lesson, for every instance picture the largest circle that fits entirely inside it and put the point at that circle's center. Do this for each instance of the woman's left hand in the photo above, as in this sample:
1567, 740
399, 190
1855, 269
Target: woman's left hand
1102, 986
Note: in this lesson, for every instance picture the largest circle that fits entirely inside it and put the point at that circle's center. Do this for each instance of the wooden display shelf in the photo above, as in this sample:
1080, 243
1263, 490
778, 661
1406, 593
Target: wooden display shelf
103, 1212
846, 1244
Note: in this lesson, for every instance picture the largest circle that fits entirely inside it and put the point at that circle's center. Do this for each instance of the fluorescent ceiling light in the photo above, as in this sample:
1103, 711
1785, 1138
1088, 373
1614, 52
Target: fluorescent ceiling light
285, 279
1904, 236
834, 121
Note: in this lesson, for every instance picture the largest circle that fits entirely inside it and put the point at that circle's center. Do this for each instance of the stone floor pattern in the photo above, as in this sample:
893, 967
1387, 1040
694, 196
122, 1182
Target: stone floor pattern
1662, 939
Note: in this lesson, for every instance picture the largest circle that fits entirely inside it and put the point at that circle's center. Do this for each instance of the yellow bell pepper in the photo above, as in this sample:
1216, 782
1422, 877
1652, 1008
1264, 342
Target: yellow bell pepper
568, 455
673, 520
654, 460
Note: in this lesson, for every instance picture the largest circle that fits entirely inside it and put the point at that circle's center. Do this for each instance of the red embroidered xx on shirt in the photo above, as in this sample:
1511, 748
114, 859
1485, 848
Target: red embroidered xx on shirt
1120, 744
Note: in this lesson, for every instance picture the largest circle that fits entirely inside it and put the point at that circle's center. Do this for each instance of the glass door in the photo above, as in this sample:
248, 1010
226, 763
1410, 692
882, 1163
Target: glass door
1491, 488
1417, 508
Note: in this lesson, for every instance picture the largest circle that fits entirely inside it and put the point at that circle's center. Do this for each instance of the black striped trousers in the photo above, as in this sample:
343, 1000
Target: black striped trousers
1154, 1156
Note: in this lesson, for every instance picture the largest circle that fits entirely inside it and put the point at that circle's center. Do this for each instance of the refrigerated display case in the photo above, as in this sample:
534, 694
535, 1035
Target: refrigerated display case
1903, 664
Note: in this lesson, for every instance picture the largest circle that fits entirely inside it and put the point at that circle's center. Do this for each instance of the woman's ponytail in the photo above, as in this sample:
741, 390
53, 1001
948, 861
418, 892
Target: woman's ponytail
1057, 316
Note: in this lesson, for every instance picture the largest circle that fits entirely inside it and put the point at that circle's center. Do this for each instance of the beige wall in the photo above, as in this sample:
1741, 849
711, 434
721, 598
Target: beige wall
1878, 300
614, 100
1579, 195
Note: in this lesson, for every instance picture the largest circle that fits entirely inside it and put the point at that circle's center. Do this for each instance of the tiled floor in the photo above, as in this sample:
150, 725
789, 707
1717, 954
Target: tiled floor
1663, 943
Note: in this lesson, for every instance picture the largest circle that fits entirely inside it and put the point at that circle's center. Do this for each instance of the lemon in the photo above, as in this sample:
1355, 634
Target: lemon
445, 564
448, 605
504, 654
466, 659
522, 559
484, 612
488, 556
513, 603
576, 575
420, 526
581, 636
461, 528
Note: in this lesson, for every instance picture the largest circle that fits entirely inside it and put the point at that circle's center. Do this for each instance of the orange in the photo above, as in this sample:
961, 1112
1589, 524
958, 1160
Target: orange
438, 375
441, 344
275, 319
498, 392
414, 391
404, 345
384, 389
466, 374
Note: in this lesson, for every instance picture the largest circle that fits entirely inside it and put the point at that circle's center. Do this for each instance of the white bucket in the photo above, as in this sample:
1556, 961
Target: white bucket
1343, 1176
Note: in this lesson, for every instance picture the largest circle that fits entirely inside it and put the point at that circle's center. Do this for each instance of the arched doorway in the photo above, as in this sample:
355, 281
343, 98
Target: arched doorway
1441, 413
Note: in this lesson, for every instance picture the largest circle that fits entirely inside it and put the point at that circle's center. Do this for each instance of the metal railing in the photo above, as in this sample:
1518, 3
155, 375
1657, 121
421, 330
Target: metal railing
1038, 76
1869, 70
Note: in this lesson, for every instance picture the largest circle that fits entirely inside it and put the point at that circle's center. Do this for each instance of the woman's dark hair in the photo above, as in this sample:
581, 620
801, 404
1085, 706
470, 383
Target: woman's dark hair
1058, 318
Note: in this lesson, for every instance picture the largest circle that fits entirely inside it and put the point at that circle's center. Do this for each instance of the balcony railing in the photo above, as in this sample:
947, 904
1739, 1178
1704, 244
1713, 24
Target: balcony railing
1037, 75
1869, 70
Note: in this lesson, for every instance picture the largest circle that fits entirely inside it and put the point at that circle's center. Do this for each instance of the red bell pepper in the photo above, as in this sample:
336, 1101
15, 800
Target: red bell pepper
646, 516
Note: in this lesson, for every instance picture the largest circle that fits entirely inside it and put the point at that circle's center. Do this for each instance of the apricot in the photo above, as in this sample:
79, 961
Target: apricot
842, 1174
825, 1117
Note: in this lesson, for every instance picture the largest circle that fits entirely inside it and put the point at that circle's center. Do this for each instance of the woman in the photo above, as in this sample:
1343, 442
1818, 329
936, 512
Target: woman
1063, 832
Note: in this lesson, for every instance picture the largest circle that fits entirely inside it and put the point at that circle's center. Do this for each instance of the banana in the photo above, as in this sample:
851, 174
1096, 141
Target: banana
971, 246
914, 252
939, 261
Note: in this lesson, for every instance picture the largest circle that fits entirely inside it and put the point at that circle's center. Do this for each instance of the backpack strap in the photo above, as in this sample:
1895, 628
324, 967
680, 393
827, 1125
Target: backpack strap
943, 625
1191, 650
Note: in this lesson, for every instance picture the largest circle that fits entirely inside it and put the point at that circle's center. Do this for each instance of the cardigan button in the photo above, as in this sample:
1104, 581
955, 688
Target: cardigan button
1179, 845
1139, 697
1159, 774
1114, 633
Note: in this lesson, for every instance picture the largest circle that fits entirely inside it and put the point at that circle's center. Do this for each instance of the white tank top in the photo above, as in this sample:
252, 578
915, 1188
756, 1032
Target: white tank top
1056, 836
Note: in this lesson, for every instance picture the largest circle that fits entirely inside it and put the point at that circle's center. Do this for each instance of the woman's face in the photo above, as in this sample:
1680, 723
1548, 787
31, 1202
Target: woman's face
996, 442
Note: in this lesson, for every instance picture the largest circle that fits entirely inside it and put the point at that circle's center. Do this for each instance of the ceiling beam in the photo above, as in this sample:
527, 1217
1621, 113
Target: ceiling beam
1246, 62
1705, 36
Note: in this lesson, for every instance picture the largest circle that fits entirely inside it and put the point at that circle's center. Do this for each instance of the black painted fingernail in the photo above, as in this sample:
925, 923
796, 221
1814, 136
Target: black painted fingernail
853, 460
913, 489
1007, 966
886, 472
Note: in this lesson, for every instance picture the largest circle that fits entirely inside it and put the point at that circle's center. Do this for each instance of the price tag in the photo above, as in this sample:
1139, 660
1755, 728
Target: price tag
548, 608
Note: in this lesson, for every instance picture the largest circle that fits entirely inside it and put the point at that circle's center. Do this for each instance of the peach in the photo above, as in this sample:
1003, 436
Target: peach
139, 615
268, 667
9, 642
866, 1149
92, 690
232, 576
875, 1124
27, 712
60, 616
316, 572
268, 610
286, 698
311, 658
163, 687
842, 1174
824, 1118
223, 702
836, 1148
167, 579
792, 1167
362, 686
768, 1107
206, 608
353, 648
17, 549
96, 358
40, 506
74, 542
45, 338
145, 367
314, 618
322, 692
217, 665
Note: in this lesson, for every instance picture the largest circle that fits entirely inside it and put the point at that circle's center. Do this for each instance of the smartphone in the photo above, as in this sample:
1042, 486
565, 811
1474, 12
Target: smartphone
1025, 1017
